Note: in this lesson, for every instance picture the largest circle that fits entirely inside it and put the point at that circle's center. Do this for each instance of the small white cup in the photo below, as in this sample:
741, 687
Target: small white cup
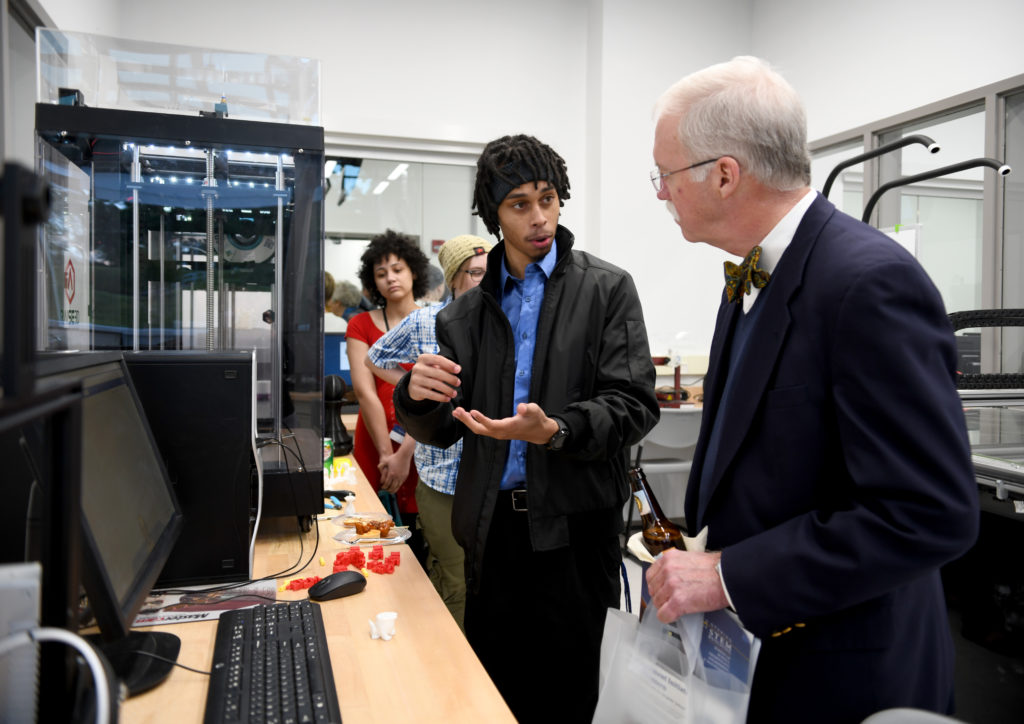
386, 624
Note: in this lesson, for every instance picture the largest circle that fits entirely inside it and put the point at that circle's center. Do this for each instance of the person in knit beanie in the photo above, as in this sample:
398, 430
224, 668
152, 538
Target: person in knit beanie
456, 251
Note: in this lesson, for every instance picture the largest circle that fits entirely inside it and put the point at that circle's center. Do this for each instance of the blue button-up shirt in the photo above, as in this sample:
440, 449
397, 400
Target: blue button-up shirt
521, 300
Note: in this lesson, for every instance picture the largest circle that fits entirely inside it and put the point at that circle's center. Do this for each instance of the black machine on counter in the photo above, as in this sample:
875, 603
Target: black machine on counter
173, 232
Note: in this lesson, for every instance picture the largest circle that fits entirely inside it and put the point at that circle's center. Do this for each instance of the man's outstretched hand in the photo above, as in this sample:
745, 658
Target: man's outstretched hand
529, 424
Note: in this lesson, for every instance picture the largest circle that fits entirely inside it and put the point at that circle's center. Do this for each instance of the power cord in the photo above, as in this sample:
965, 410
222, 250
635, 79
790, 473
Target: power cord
99, 674
259, 466
298, 565
170, 661
295, 502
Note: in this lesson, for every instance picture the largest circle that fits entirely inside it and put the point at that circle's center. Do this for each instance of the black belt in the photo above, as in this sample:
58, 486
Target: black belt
516, 498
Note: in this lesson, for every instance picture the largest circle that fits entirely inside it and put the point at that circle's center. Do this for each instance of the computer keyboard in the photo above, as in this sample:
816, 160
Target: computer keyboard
270, 664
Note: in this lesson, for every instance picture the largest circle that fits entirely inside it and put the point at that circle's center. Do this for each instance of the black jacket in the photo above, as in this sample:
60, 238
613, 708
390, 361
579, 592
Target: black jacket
592, 369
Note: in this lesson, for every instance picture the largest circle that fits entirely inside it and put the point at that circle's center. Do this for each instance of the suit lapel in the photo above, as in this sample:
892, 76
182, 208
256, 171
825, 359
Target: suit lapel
764, 346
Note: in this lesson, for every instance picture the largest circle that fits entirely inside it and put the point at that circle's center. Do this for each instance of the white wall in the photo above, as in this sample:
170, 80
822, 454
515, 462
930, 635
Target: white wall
582, 75
858, 62
444, 70
85, 16
851, 62
647, 46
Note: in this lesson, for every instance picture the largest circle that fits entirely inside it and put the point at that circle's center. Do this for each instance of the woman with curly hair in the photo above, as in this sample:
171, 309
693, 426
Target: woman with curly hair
394, 275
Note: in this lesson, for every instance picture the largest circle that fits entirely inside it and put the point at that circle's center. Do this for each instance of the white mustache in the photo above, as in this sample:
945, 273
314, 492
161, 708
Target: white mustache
672, 210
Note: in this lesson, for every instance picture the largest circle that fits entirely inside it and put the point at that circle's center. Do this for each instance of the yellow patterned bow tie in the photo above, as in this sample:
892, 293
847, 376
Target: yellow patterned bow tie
739, 277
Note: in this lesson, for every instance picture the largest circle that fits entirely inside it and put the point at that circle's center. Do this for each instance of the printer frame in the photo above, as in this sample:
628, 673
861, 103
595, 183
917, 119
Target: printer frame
190, 232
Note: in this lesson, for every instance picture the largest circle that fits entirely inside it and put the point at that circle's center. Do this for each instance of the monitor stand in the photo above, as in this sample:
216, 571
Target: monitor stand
139, 672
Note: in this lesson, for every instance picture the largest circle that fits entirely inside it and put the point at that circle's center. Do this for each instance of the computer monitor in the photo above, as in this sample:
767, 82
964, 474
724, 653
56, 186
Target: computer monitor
130, 516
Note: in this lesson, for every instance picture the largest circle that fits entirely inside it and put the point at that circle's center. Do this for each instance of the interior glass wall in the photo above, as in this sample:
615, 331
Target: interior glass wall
431, 202
964, 220
847, 188
941, 217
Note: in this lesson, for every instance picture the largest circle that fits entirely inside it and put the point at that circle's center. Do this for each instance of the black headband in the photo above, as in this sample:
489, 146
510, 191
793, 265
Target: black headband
500, 187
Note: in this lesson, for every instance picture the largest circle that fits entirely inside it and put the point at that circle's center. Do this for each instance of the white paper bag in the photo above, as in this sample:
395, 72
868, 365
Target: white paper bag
697, 669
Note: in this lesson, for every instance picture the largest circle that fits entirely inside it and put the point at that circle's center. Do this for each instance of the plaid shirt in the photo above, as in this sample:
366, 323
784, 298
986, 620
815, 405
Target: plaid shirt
415, 335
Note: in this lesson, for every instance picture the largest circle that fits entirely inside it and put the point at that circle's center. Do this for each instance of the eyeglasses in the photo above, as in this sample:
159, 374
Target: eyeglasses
475, 274
658, 178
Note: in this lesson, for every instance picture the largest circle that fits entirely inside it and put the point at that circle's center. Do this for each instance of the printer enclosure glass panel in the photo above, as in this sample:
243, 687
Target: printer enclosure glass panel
108, 72
209, 236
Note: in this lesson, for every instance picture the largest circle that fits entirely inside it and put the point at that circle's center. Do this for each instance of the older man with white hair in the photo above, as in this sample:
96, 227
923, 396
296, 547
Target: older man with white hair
833, 470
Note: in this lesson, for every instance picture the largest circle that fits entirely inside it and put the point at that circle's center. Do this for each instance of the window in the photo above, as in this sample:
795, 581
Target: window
944, 214
364, 197
966, 226
847, 188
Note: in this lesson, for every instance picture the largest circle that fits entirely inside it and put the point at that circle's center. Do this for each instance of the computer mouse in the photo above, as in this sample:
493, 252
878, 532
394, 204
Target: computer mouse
337, 585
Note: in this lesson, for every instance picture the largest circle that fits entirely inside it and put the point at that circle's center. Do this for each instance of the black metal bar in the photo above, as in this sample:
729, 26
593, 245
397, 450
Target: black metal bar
147, 127
61, 564
999, 166
25, 202
926, 141
56, 412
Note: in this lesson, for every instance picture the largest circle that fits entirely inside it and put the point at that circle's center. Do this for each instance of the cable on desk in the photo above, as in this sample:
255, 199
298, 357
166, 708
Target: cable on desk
295, 507
259, 467
169, 661
297, 566
99, 674
297, 454
302, 462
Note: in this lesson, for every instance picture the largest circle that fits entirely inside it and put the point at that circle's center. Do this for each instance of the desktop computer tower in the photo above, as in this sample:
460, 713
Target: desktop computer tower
200, 408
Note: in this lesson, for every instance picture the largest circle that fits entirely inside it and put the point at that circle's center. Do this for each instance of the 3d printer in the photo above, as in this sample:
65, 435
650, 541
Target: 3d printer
189, 229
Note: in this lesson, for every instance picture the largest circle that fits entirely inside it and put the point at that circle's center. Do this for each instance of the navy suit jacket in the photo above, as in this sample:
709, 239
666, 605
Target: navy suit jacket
843, 479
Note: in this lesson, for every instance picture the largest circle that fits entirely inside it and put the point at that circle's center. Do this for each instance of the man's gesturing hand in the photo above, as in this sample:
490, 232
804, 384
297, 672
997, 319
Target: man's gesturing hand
433, 377
529, 423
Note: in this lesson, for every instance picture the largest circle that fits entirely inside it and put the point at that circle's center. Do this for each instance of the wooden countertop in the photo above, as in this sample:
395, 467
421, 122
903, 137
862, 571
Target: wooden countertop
427, 672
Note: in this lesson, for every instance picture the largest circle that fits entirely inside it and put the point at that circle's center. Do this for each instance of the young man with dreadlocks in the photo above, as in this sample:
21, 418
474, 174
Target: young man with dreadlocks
545, 374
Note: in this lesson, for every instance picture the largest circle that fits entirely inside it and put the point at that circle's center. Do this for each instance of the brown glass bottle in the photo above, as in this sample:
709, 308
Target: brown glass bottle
659, 533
